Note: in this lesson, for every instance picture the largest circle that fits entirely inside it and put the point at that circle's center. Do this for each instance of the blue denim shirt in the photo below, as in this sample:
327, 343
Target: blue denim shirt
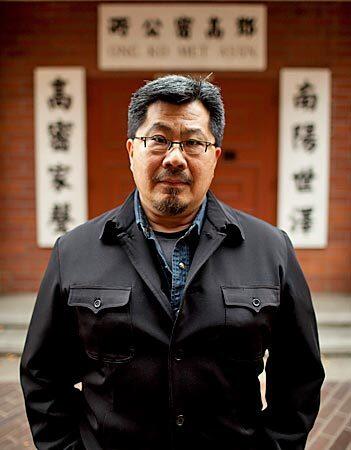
181, 258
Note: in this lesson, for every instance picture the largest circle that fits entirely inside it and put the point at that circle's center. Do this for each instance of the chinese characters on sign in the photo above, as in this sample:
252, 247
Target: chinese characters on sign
246, 26
200, 37
60, 151
183, 26
304, 156
306, 97
304, 135
214, 30
59, 99
59, 176
60, 134
119, 25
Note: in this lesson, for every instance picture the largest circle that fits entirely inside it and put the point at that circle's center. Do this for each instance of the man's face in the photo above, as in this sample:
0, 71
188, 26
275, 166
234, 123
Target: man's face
173, 183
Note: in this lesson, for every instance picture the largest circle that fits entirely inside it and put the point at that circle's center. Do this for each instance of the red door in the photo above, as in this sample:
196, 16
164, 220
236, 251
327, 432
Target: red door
246, 175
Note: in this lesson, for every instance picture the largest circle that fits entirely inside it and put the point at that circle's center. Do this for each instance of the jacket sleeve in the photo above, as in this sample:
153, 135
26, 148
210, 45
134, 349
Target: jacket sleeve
294, 372
49, 367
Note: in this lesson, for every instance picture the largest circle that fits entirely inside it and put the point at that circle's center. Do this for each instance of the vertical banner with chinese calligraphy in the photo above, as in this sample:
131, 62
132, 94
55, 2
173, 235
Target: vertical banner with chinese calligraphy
60, 150
188, 36
303, 187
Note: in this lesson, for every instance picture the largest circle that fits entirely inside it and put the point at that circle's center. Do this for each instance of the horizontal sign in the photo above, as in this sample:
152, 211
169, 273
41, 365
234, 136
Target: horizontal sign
303, 190
188, 36
60, 150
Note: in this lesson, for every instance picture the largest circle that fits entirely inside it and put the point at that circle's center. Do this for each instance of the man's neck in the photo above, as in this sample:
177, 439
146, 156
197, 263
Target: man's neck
169, 224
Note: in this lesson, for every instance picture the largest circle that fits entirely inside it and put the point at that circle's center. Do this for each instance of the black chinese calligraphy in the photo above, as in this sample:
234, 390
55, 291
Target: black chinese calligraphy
152, 27
246, 26
303, 180
304, 135
306, 97
59, 174
60, 133
183, 27
214, 30
59, 99
60, 216
301, 218
119, 25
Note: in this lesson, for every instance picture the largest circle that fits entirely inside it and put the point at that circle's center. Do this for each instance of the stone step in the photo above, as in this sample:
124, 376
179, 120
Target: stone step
12, 340
335, 340
337, 368
16, 310
336, 320
332, 309
333, 313
9, 368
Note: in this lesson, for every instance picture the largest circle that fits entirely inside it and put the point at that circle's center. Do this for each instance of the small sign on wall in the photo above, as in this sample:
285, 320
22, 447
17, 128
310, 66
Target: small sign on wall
60, 151
303, 188
188, 36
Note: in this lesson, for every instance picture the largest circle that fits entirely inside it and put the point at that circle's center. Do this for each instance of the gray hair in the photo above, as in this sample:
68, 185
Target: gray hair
177, 89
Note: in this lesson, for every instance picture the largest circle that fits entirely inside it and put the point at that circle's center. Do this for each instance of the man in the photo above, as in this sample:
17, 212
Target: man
164, 306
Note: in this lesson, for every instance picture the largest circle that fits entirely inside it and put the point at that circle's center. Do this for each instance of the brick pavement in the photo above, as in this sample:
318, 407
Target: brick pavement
332, 430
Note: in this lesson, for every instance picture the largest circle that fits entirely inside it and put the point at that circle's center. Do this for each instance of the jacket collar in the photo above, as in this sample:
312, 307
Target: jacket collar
223, 218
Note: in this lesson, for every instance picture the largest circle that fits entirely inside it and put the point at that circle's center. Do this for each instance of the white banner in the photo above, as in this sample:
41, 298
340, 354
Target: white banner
304, 130
188, 36
60, 151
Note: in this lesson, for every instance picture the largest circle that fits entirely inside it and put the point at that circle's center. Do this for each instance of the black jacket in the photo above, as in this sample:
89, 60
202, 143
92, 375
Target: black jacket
152, 383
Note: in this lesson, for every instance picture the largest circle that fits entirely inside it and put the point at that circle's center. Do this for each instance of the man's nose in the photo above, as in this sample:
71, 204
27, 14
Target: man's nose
174, 157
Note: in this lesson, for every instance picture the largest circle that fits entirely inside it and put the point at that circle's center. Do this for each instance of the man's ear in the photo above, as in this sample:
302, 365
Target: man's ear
130, 150
218, 152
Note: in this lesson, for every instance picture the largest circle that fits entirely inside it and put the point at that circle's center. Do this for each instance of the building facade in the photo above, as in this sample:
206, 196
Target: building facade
42, 34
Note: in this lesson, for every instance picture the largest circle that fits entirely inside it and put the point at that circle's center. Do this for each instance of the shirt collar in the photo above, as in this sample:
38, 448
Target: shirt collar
143, 223
224, 219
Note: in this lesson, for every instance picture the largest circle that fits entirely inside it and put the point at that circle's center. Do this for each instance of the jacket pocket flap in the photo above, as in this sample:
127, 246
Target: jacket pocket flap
254, 298
97, 299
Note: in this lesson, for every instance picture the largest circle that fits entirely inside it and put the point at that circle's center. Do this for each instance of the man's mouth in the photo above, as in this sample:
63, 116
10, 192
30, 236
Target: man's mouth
172, 181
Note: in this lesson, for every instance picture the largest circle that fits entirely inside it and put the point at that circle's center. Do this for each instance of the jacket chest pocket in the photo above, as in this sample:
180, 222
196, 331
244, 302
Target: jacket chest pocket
249, 316
104, 321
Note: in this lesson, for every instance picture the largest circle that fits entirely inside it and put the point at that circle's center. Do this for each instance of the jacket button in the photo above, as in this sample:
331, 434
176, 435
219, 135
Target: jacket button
181, 265
180, 420
179, 355
97, 302
256, 302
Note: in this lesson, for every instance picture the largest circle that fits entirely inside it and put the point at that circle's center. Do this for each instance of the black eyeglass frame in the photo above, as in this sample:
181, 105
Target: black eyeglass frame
171, 143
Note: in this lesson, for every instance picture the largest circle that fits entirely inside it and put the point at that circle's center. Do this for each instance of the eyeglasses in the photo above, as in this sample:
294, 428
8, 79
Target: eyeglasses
159, 145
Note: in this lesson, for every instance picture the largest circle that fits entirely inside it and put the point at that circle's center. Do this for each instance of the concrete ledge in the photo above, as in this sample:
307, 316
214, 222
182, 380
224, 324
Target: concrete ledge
12, 341
16, 309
